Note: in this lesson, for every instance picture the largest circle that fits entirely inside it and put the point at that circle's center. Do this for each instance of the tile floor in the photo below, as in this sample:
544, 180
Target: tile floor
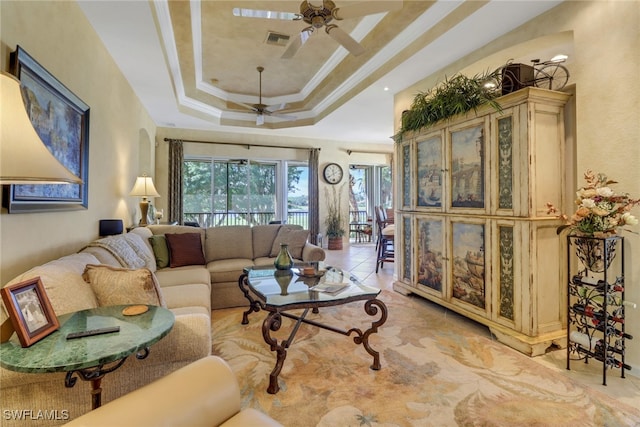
360, 259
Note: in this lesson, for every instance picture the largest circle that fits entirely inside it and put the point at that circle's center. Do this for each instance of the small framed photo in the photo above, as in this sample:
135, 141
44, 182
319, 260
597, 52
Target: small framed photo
30, 310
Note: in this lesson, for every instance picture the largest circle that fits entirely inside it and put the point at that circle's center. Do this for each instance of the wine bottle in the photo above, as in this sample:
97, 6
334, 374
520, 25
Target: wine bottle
610, 330
595, 345
612, 361
587, 310
599, 285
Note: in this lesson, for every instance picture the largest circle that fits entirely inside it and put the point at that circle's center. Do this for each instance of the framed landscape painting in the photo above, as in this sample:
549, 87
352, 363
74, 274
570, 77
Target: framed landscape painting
467, 167
61, 120
469, 263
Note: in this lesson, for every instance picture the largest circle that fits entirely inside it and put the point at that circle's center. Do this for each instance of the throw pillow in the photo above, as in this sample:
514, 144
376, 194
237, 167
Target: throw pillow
160, 250
117, 286
296, 240
185, 249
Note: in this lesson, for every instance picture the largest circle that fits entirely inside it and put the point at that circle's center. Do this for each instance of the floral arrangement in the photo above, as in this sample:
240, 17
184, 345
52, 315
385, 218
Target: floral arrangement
600, 210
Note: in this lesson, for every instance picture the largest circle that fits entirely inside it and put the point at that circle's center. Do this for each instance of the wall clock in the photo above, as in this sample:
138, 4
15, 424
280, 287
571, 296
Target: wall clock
332, 173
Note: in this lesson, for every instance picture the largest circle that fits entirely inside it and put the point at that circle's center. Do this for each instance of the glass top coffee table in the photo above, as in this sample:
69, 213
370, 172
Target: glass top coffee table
279, 291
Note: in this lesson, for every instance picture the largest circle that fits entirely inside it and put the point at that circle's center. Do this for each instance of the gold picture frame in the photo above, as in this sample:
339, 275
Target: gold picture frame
30, 310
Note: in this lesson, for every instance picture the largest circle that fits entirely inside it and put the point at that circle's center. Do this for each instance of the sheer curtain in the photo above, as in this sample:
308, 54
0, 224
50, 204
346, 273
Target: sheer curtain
314, 211
176, 158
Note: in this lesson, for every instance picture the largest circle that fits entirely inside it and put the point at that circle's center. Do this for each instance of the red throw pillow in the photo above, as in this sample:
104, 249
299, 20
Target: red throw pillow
185, 249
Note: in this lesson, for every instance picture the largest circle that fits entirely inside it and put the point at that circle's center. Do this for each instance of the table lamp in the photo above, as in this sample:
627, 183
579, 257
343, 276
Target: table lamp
144, 188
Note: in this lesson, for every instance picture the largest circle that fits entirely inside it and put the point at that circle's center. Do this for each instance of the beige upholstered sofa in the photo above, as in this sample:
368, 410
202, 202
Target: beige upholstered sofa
228, 250
202, 394
187, 290
187, 296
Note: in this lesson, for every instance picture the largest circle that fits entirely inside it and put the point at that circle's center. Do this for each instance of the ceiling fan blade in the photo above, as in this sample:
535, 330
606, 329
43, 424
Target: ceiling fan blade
297, 43
344, 39
265, 14
283, 116
274, 108
359, 9
247, 106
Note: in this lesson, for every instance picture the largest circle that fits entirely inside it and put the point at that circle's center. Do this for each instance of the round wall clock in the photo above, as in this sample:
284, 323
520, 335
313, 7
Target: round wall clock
332, 173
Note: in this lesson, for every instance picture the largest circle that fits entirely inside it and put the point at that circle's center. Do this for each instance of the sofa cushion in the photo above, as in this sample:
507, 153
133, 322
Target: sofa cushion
227, 270
62, 280
187, 295
263, 237
115, 286
179, 275
294, 238
160, 250
229, 243
185, 249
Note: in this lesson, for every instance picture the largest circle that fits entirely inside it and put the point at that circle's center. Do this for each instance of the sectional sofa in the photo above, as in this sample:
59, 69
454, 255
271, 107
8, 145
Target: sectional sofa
199, 270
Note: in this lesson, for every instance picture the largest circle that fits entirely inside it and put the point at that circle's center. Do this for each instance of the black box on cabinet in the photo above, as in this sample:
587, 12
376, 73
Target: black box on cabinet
516, 77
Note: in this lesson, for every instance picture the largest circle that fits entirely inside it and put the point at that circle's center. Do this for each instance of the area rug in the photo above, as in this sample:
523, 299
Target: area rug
435, 372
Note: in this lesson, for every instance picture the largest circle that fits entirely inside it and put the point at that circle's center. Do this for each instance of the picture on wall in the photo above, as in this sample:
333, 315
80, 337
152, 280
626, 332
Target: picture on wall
430, 253
467, 168
430, 172
61, 120
469, 263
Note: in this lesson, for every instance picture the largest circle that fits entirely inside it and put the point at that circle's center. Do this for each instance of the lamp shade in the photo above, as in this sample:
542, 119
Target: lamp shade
24, 159
144, 187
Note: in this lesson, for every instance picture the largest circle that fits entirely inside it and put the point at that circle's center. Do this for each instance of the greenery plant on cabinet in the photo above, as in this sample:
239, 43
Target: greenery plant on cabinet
452, 97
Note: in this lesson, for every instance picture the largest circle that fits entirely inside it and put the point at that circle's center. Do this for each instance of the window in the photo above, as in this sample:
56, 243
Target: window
369, 186
244, 192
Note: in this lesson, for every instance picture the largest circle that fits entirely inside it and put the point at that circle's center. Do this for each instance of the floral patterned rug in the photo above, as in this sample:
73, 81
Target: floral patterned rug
435, 372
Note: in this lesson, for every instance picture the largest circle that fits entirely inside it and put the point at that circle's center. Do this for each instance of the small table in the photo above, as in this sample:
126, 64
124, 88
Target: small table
90, 358
278, 291
362, 231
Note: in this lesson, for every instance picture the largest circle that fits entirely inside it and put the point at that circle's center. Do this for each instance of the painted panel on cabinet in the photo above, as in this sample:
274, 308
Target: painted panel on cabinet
506, 272
406, 175
430, 172
505, 163
430, 253
469, 263
407, 260
467, 167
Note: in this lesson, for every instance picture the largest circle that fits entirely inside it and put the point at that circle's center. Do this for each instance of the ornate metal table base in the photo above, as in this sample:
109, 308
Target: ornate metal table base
273, 322
95, 375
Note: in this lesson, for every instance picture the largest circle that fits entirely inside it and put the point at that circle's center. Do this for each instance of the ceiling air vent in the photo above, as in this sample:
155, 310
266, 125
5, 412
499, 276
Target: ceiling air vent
277, 38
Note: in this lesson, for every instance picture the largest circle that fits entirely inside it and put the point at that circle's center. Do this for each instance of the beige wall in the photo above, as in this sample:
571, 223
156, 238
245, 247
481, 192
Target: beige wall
59, 37
604, 37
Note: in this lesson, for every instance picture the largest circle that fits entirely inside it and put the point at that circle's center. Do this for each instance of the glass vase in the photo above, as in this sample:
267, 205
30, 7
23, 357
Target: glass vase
283, 260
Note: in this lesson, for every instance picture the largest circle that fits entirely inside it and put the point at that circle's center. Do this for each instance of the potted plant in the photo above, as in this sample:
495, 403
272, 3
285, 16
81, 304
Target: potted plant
334, 220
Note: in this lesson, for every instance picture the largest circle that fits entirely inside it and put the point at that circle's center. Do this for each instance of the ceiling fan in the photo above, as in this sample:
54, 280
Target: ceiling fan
322, 16
261, 109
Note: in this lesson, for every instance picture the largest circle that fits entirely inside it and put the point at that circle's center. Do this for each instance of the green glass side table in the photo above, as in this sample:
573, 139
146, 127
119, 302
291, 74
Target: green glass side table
90, 358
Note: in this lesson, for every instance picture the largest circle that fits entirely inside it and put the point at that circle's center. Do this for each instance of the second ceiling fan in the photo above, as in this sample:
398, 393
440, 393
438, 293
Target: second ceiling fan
261, 109
322, 16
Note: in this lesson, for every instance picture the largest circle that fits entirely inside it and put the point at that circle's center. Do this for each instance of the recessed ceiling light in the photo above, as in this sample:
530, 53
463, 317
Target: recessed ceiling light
386, 88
